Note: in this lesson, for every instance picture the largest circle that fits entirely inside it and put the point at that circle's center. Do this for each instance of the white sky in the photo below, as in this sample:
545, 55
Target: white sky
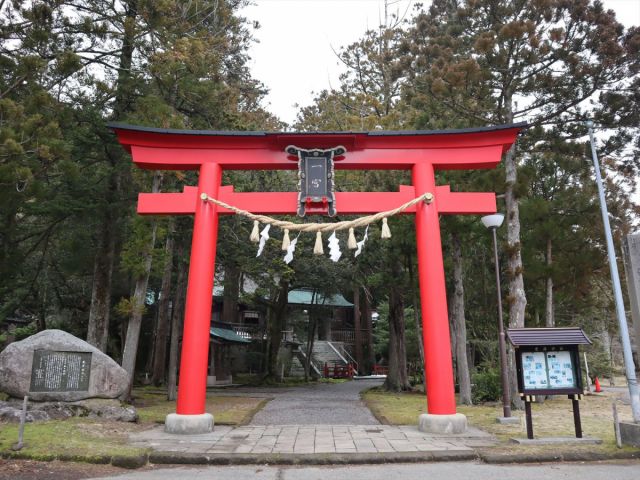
297, 39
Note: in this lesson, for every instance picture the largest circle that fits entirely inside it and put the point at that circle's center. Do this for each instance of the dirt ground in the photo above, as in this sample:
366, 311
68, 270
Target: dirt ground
31, 470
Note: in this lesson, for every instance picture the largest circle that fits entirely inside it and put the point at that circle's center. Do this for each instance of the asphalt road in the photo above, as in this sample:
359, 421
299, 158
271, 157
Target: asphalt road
467, 470
321, 404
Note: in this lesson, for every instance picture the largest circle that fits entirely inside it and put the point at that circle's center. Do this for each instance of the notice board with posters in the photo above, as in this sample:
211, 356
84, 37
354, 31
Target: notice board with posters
548, 359
548, 370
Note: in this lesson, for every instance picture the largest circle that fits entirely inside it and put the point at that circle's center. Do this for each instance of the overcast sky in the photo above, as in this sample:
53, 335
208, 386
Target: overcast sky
297, 39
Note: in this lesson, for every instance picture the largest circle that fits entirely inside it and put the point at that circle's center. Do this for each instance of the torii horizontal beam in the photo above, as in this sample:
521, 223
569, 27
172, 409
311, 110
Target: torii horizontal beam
284, 203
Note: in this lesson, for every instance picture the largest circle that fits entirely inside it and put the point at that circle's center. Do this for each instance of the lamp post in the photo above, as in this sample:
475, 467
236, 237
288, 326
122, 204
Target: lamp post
492, 222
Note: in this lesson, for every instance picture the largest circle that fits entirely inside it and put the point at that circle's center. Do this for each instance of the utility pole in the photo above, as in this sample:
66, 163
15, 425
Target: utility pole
630, 370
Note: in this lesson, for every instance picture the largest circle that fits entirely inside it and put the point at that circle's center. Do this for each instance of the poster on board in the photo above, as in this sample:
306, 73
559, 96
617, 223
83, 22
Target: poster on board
561, 371
548, 370
534, 370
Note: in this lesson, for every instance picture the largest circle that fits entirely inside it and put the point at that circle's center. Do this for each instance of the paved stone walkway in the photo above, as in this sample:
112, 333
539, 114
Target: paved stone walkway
323, 418
321, 404
309, 439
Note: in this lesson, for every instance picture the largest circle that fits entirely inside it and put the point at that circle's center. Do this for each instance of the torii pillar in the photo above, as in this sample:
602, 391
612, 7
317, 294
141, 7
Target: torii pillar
422, 152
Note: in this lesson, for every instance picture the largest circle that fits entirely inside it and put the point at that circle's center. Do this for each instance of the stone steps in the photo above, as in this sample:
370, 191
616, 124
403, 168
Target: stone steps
322, 353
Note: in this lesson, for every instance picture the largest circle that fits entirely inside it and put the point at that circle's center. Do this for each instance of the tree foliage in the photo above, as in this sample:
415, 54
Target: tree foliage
72, 249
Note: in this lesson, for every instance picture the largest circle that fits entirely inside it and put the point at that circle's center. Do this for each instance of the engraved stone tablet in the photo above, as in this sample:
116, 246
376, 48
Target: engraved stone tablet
55, 366
54, 371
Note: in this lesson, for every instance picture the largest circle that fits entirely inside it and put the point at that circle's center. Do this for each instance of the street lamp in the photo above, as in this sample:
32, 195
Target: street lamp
492, 222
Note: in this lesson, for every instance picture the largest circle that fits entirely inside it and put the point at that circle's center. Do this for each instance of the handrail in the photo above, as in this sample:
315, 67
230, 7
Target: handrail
344, 359
311, 364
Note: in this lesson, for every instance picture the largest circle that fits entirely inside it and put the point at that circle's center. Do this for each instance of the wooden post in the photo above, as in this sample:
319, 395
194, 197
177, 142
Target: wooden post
576, 415
586, 366
529, 419
616, 424
23, 419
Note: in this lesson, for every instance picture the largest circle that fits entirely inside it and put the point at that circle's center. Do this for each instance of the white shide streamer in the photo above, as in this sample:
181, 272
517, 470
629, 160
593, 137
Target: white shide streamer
264, 236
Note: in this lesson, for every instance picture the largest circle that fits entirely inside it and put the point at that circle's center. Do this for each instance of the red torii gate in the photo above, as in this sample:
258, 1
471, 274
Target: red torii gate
211, 152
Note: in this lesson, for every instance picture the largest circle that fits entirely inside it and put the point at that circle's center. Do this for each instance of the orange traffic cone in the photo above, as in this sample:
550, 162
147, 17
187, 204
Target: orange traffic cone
598, 388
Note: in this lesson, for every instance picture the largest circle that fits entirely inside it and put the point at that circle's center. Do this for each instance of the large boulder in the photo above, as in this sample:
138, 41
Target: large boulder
67, 369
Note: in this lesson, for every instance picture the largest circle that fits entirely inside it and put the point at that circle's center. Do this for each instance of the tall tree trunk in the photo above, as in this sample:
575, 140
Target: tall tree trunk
41, 319
397, 379
231, 293
275, 325
311, 337
162, 325
365, 311
151, 347
606, 344
126, 81
98, 328
130, 352
176, 324
462, 364
357, 329
517, 297
549, 320
416, 316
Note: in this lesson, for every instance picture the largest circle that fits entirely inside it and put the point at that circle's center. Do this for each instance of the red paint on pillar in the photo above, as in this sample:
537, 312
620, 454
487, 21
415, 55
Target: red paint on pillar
433, 298
192, 387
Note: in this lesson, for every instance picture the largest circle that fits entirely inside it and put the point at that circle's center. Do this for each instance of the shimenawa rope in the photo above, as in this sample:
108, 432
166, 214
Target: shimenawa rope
320, 227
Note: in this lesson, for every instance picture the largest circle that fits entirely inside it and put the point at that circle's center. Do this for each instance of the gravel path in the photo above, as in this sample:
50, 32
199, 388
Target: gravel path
322, 404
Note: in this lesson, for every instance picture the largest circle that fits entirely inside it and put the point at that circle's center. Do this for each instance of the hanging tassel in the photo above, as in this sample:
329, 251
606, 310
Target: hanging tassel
386, 233
285, 240
255, 233
317, 249
351, 242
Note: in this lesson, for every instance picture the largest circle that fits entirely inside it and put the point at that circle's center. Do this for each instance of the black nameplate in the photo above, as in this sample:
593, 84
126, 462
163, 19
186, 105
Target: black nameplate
315, 179
54, 371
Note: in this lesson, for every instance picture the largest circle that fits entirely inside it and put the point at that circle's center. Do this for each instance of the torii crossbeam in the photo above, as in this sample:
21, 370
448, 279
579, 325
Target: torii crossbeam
211, 152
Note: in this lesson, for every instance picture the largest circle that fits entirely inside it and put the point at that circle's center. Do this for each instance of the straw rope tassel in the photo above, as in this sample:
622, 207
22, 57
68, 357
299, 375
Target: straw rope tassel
285, 240
317, 249
386, 233
351, 242
255, 233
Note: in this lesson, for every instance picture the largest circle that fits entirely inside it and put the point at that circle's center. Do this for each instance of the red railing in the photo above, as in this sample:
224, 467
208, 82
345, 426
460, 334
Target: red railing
338, 371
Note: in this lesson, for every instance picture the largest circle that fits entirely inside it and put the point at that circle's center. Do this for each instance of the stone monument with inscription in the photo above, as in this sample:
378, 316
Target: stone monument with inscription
53, 365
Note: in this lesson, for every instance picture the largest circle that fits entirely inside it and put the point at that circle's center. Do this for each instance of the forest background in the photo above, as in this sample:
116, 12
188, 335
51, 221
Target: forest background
75, 255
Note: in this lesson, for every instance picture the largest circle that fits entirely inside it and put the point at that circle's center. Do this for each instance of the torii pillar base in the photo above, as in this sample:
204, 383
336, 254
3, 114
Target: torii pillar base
188, 424
447, 424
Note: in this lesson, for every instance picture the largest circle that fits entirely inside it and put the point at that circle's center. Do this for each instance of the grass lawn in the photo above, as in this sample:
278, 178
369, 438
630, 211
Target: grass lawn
74, 437
89, 437
153, 407
553, 418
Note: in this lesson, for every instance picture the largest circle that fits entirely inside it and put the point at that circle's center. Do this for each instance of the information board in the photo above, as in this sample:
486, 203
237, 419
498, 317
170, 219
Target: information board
55, 371
548, 370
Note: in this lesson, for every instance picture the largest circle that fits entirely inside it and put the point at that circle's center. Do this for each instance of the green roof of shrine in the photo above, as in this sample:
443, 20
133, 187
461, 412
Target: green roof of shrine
227, 335
303, 296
